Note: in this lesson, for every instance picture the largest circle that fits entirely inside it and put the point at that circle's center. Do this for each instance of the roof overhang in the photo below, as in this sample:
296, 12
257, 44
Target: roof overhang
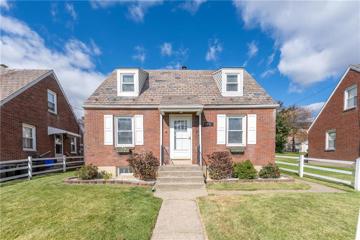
156, 106
180, 108
53, 130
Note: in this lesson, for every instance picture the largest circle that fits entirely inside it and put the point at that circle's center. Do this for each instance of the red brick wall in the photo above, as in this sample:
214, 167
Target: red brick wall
30, 107
346, 124
104, 155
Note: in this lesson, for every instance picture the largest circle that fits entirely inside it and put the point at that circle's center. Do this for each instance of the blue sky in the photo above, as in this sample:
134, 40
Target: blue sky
296, 51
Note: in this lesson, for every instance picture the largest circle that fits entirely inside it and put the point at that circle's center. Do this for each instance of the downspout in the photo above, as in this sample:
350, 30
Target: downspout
200, 146
161, 140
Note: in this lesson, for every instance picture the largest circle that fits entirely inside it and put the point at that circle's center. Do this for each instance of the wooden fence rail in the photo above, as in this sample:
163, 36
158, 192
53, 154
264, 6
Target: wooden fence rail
301, 171
15, 169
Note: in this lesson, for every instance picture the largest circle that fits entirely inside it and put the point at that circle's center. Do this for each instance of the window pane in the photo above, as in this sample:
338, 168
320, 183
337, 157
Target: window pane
233, 87
124, 124
27, 132
127, 87
51, 97
351, 102
27, 143
235, 124
231, 78
352, 92
125, 137
235, 137
51, 106
128, 78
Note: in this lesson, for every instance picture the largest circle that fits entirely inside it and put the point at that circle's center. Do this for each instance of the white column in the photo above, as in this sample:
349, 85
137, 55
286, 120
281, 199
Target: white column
357, 175
161, 140
301, 166
200, 146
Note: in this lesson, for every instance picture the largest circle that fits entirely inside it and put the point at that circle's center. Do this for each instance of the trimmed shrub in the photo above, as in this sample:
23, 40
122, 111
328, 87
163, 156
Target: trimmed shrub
220, 165
244, 170
87, 172
269, 171
104, 175
144, 165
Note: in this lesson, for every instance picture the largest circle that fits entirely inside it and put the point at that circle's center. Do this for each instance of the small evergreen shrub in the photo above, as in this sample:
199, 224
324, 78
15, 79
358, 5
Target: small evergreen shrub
104, 175
220, 165
269, 171
244, 170
87, 172
144, 165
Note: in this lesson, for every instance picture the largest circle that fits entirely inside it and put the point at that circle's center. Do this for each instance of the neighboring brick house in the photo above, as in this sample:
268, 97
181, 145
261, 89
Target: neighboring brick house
179, 115
36, 118
335, 133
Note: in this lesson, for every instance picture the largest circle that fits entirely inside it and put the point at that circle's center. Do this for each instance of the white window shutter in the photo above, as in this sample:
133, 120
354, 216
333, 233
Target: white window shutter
108, 130
139, 130
221, 128
251, 129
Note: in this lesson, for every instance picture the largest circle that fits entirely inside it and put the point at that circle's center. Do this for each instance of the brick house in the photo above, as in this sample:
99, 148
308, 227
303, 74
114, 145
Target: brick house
179, 115
335, 132
36, 117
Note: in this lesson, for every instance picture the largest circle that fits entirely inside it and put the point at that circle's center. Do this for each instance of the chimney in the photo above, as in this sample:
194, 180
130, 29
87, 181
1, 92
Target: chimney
183, 67
3, 65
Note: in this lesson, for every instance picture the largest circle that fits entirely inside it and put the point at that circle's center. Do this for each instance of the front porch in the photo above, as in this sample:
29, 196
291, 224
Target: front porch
180, 134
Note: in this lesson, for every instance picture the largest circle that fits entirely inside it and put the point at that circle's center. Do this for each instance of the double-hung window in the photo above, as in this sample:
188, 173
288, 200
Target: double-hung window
232, 84
127, 83
330, 140
52, 101
29, 137
235, 131
73, 145
124, 131
350, 98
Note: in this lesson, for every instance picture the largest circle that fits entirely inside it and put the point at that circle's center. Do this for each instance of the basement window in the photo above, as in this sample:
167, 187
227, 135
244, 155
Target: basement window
124, 171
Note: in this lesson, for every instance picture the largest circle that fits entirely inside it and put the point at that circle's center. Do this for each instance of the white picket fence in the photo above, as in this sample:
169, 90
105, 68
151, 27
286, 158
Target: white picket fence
301, 171
35, 166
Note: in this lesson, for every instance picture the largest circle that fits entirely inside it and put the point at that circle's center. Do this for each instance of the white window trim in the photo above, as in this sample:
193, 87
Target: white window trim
346, 96
243, 130
327, 140
237, 81
55, 99
75, 141
132, 130
135, 73
24, 125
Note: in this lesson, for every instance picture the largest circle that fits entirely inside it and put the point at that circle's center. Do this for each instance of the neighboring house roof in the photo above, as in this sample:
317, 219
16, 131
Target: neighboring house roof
179, 87
355, 67
14, 80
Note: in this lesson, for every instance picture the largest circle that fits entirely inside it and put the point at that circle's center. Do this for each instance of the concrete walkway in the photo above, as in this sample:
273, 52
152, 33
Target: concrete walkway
179, 217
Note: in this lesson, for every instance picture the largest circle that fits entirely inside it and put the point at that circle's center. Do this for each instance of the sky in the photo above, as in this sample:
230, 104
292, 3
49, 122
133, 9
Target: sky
297, 51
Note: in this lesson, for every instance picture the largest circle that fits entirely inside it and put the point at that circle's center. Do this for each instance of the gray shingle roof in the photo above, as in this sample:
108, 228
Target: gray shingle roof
12, 80
166, 87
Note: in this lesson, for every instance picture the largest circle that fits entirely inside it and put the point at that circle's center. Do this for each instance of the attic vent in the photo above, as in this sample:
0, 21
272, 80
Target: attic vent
177, 76
160, 80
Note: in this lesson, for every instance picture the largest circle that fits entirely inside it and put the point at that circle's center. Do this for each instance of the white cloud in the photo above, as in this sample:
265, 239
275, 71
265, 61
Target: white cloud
268, 73
54, 10
215, 48
4, 4
140, 54
270, 59
192, 6
252, 49
136, 9
166, 49
314, 108
180, 56
69, 7
21, 47
317, 40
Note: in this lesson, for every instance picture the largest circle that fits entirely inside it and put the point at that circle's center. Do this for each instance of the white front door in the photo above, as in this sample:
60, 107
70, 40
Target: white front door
59, 151
180, 137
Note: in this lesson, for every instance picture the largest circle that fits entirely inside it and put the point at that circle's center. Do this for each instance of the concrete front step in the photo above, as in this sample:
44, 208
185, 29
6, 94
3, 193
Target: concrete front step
180, 174
179, 186
180, 168
181, 179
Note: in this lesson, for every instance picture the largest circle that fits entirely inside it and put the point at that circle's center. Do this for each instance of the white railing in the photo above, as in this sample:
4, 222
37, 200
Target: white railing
15, 169
301, 171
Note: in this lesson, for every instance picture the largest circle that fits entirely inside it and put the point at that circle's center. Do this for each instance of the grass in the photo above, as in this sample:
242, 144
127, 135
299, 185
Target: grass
281, 216
46, 208
253, 186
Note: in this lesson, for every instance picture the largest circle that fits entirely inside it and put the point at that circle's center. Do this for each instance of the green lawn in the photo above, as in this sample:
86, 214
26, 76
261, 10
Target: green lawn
46, 208
248, 186
320, 216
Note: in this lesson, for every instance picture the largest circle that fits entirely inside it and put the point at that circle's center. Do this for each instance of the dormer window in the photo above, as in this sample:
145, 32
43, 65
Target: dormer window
127, 82
232, 83
130, 81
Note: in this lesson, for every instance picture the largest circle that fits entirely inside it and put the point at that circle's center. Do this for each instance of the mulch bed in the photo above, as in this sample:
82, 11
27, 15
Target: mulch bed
75, 180
234, 180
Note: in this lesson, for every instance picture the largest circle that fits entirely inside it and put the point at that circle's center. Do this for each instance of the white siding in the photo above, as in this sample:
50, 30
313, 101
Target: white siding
143, 75
217, 78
